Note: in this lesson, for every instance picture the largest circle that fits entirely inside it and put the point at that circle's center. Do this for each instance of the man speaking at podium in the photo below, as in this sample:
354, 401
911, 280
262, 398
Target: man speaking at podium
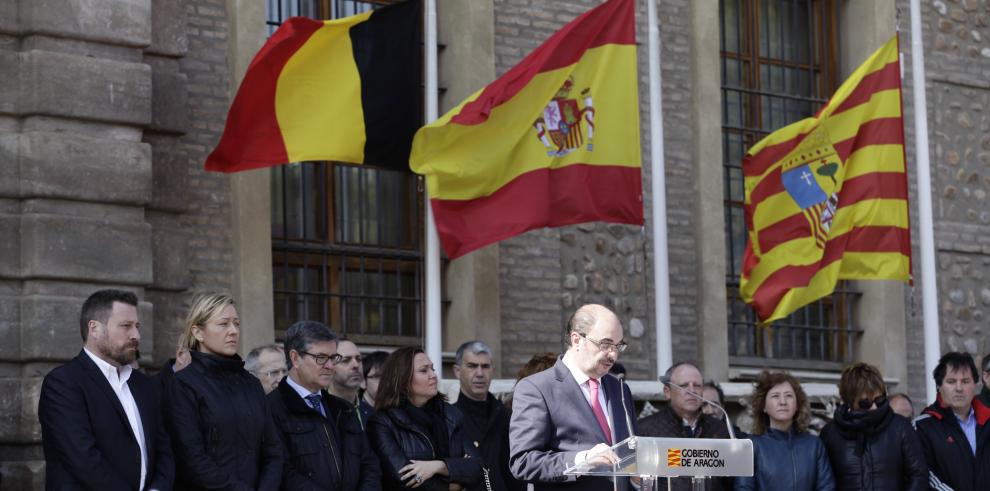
567, 414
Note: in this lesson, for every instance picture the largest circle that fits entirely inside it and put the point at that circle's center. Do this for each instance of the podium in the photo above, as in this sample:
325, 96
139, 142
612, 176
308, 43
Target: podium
651, 458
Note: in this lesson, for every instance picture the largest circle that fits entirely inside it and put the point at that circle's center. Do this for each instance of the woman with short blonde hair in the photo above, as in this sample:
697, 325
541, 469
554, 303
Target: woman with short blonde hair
222, 431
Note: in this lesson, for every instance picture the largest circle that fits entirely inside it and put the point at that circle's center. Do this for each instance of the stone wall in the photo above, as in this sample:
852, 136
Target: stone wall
107, 110
957, 58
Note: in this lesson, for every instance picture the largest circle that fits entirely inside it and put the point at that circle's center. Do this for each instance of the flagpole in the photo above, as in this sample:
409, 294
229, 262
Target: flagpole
658, 186
433, 335
929, 294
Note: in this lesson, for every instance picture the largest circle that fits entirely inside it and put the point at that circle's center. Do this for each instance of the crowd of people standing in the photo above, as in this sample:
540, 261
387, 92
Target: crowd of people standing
317, 413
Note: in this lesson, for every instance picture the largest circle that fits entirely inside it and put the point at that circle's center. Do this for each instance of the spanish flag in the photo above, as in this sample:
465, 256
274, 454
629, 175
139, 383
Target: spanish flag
554, 141
826, 197
346, 90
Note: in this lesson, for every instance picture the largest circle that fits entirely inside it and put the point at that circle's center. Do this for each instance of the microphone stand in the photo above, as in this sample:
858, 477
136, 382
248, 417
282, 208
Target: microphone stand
625, 412
622, 397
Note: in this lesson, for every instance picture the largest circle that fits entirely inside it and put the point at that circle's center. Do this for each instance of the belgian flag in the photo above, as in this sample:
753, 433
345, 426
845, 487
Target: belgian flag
345, 90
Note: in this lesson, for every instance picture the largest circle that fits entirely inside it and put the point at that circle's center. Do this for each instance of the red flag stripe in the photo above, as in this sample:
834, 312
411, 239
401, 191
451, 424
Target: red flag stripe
880, 131
545, 197
886, 78
254, 105
793, 227
610, 23
873, 132
864, 239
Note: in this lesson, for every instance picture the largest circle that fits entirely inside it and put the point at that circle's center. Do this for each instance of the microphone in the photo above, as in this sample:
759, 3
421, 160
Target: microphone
622, 397
728, 422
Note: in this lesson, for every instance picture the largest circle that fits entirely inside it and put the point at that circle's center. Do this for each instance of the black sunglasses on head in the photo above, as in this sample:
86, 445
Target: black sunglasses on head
865, 404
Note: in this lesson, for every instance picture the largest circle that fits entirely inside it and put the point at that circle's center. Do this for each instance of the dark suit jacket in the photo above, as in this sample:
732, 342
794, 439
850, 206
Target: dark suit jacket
552, 421
87, 440
322, 453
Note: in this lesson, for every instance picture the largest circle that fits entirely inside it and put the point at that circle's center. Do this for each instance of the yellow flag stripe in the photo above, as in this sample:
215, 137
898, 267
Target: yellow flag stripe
875, 158
317, 122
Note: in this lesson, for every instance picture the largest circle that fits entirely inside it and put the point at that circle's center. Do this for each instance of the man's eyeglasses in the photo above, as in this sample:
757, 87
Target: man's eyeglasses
865, 404
276, 373
606, 345
322, 359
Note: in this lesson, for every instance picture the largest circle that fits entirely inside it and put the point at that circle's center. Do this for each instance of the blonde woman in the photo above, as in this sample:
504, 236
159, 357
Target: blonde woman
222, 432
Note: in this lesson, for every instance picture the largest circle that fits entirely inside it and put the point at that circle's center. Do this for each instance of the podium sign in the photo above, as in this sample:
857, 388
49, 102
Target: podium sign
670, 457
675, 457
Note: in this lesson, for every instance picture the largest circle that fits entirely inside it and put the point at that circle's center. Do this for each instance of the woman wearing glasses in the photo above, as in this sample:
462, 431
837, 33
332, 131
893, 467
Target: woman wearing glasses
869, 446
780, 436
222, 432
416, 434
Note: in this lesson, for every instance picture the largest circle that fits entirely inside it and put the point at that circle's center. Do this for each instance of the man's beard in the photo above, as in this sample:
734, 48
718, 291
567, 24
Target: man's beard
123, 355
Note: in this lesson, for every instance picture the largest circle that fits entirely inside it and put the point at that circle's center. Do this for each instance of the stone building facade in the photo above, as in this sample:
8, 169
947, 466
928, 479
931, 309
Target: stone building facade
113, 106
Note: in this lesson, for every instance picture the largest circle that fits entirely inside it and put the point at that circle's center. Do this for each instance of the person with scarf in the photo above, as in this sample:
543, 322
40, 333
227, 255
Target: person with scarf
780, 436
417, 435
869, 446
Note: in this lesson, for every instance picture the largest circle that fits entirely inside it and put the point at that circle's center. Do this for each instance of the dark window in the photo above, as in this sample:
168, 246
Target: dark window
779, 65
346, 239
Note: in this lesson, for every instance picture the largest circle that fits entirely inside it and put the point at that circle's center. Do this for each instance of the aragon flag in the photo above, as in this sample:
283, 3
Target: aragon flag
346, 90
554, 141
826, 197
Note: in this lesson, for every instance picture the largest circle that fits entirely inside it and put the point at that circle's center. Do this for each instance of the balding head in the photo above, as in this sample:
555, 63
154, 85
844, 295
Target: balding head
586, 316
594, 339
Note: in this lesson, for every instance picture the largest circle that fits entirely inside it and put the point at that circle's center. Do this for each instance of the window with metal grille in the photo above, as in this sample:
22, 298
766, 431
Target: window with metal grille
346, 239
779, 65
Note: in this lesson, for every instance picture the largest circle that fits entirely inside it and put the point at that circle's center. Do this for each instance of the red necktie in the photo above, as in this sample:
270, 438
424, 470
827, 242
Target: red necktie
596, 407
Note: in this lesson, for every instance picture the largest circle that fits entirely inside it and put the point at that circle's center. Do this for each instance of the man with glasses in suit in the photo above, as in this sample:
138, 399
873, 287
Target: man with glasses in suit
558, 412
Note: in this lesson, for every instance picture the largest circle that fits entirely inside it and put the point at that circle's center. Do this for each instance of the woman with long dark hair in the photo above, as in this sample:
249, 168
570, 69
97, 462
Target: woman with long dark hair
780, 436
869, 446
415, 432
222, 432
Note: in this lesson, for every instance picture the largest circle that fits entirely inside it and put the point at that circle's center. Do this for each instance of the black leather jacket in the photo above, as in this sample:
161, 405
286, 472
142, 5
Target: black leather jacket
397, 439
222, 432
809, 467
322, 453
874, 450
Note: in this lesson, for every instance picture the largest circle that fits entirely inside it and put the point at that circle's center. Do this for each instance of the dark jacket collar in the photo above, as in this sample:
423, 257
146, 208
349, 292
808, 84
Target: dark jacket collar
214, 363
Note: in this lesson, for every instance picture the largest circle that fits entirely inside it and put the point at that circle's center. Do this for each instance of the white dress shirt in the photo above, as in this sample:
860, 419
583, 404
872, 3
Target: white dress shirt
118, 382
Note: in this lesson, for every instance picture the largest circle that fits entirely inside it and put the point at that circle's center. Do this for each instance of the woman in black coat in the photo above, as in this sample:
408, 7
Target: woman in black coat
870, 447
418, 436
222, 432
